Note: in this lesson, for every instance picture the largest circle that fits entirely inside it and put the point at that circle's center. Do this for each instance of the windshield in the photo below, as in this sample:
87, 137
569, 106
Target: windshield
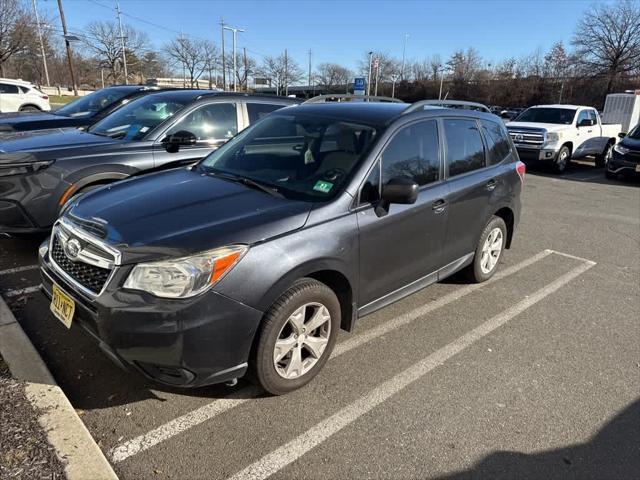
562, 116
94, 102
299, 156
136, 119
635, 133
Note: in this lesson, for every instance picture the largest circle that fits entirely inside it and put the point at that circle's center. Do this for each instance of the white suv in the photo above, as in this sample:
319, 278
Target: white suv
21, 96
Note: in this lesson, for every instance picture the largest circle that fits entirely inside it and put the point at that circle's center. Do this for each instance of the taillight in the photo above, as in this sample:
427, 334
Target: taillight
521, 168
44, 97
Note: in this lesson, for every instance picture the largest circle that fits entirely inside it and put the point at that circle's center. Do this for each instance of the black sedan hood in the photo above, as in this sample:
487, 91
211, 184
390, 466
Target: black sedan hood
51, 140
182, 211
21, 117
23, 121
631, 143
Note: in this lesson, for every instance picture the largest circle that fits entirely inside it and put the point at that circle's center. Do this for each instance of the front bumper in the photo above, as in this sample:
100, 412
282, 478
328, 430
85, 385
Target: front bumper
29, 202
628, 163
187, 343
536, 154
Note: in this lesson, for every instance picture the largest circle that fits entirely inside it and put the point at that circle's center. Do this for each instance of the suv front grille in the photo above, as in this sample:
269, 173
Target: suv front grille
90, 277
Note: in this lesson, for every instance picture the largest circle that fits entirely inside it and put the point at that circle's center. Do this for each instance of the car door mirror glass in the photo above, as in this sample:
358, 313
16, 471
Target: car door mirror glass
402, 190
182, 138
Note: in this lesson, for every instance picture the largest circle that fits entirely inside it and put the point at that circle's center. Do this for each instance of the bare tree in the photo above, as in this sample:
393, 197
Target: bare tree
607, 39
211, 59
191, 55
103, 40
246, 66
281, 71
388, 67
332, 75
435, 65
15, 30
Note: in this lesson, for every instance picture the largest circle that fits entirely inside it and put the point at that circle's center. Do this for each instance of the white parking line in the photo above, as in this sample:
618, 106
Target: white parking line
293, 450
21, 291
211, 410
9, 271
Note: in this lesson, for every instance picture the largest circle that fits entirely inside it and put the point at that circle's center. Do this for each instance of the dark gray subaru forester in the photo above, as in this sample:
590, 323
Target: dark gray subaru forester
254, 258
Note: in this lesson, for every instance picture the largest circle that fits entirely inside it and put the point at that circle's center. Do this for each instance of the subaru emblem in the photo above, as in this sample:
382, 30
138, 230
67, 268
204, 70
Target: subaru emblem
72, 249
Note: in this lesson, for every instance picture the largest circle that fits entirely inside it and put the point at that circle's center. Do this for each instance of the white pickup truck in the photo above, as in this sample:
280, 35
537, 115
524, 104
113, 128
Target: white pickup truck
559, 133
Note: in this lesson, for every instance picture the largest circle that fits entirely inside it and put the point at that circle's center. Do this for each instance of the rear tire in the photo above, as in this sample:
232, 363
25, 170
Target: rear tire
296, 338
29, 108
562, 160
489, 250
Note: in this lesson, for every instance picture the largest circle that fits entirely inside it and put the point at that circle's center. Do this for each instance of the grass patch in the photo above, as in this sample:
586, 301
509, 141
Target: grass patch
62, 99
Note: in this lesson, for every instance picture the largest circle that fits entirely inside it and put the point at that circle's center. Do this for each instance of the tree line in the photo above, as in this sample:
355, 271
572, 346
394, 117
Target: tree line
603, 57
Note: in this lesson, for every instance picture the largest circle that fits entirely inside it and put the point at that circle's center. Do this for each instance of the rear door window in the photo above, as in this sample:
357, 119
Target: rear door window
258, 110
465, 152
497, 141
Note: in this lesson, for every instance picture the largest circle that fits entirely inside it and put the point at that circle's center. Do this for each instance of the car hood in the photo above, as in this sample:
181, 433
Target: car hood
549, 127
180, 212
50, 140
25, 117
631, 143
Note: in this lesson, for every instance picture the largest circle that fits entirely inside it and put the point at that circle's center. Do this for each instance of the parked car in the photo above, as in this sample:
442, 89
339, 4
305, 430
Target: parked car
255, 257
556, 134
625, 156
80, 113
21, 96
457, 104
42, 170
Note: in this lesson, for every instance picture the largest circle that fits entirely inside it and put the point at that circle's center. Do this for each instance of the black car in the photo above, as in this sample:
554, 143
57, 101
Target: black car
40, 171
624, 157
256, 256
80, 113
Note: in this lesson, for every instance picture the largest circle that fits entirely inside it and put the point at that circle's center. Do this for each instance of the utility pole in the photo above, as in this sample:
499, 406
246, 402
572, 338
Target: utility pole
286, 73
235, 67
441, 80
68, 45
369, 79
309, 68
122, 37
44, 57
377, 75
224, 66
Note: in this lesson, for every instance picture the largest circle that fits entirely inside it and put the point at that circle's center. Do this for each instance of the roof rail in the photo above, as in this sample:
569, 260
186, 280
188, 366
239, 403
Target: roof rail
347, 97
414, 107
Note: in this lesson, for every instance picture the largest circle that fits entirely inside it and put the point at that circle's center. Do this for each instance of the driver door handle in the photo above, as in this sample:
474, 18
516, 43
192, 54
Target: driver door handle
439, 205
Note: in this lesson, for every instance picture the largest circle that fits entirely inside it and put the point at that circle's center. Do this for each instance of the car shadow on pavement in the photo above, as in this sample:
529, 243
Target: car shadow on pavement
613, 453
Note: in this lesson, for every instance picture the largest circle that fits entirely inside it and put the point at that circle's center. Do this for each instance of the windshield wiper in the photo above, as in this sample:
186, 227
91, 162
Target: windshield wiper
248, 182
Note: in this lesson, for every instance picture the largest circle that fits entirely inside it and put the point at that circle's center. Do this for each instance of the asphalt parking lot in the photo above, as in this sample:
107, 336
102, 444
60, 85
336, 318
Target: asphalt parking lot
535, 374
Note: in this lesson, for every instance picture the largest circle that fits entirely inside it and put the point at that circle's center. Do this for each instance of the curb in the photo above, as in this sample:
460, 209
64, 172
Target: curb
65, 431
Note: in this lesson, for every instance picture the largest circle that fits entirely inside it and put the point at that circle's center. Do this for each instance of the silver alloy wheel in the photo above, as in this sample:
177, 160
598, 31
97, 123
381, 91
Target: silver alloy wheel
302, 340
608, 154
563, 159
491, 251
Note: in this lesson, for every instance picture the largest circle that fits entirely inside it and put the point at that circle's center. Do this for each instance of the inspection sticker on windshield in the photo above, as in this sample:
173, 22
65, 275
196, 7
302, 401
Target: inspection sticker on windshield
322, 186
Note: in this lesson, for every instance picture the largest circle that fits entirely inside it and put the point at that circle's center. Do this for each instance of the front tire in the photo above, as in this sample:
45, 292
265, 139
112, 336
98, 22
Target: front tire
562, 160
488, 251
29, 108
297, 337
603, 158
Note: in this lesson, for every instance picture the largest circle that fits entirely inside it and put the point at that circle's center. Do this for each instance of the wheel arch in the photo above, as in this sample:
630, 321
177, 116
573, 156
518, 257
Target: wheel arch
569, 145
27, 105
507, 215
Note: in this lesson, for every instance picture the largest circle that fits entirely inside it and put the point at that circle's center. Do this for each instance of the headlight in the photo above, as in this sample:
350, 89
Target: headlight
553, 137
8, 169
185, 277
621, 149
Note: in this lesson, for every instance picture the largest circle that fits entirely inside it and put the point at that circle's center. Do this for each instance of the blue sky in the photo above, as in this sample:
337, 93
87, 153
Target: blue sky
342, 31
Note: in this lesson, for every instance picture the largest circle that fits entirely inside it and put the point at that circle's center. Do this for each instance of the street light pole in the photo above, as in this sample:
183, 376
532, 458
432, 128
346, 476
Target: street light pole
235, 68
68, 45
124, 55
441, 80
224, 66
369, 79
44, 57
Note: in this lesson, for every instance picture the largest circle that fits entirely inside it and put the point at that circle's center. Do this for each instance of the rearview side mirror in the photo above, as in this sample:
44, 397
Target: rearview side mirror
183, 138
585, 122
622, 135
400, 190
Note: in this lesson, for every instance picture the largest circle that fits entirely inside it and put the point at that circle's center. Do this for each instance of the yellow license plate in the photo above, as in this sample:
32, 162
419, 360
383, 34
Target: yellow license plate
62, 306
638, 168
